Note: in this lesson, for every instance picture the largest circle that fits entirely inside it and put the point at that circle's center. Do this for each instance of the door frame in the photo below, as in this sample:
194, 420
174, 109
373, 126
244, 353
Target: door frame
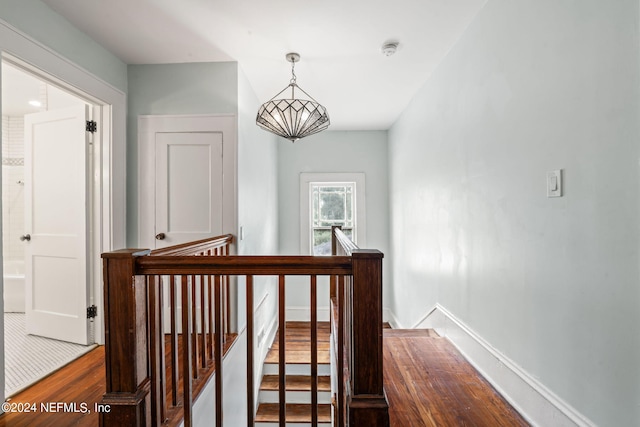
109, 162
148, 125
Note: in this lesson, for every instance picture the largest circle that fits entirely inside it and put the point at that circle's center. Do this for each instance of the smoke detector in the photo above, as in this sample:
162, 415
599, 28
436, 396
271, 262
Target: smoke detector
389, 48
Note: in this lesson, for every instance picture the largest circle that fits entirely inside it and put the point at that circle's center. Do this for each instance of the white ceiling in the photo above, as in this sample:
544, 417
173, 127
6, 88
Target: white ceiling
19, 88
339, 41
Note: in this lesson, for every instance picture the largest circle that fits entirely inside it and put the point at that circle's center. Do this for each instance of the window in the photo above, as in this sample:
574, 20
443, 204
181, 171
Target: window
332, 204
330, 199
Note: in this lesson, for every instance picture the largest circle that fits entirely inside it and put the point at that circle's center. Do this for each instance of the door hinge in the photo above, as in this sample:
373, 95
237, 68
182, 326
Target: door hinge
92, 126
92, 312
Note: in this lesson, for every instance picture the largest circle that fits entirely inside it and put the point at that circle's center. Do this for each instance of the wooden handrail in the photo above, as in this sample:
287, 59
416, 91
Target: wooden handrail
195, 248
244, 264
134, 339
347, 246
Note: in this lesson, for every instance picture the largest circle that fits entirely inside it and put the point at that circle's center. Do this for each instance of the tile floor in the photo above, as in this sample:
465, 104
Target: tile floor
29, 358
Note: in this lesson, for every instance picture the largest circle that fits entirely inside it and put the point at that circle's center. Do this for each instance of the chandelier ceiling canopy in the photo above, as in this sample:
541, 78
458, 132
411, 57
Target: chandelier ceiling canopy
293, 118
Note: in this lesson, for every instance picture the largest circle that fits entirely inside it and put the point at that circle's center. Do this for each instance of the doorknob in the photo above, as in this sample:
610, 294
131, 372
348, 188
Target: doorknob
26, 237
160, 236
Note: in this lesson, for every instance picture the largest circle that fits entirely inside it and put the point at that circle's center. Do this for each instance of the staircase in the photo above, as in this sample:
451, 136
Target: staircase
298, 378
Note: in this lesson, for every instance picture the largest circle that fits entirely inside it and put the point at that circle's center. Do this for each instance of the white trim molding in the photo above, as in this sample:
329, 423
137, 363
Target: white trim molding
390, 317
539, 405
303, 314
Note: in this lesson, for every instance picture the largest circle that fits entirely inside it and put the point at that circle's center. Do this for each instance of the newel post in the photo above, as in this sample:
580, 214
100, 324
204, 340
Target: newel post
127, 400
367, 404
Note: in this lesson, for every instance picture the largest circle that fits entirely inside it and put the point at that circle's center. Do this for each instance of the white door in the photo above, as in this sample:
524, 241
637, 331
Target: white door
186, 182
188, 191
186, 178
188, 187
56, 244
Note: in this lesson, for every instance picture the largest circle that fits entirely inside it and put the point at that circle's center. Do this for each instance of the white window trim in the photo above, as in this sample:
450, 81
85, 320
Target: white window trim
306, 179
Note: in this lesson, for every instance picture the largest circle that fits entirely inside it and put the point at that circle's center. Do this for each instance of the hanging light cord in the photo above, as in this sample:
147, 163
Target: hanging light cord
293, 73
293, 85
292, 82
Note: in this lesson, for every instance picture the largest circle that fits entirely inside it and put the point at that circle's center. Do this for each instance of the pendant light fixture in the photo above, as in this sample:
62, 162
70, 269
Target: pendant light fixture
293, 118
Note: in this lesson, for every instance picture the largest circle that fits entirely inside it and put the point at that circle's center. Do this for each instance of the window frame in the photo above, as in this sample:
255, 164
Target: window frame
306, 204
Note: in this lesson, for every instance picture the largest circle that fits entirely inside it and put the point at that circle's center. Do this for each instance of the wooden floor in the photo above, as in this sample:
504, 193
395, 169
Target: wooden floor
80, 382
429, 383
80, 385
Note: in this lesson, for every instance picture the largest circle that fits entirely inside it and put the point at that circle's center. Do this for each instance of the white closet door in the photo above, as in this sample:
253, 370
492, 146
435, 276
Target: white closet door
188, 186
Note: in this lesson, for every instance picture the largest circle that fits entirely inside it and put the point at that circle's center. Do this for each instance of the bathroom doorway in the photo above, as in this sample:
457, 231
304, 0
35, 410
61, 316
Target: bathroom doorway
46, 203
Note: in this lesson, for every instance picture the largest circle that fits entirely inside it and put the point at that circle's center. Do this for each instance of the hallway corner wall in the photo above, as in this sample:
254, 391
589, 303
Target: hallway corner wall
551, 283
258, 230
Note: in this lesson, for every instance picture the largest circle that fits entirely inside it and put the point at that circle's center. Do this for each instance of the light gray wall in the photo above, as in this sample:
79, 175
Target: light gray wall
552, 283
257, 192
257, 177
39, 21
194, 88
335, 151
234, 380
257, 215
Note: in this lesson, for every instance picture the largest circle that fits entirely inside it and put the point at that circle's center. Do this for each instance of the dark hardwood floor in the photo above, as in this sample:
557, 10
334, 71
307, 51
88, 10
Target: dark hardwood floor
80, 385
429, 383
80, 382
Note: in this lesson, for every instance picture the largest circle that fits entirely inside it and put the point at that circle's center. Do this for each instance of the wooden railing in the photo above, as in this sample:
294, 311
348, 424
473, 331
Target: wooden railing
356, 325
142, 386
140, 393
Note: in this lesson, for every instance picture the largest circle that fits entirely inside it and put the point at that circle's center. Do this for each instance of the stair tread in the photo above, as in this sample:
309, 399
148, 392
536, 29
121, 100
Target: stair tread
298, 352
295, 383
296, 413
298, 344
297, 357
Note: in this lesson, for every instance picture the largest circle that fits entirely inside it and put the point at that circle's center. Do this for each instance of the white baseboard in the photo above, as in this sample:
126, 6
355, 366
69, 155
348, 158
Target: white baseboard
539, 405
389, 317
303, 314
270, 335
263, 347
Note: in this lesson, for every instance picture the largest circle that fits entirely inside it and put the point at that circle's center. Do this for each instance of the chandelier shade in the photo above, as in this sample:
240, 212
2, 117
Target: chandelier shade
293, 118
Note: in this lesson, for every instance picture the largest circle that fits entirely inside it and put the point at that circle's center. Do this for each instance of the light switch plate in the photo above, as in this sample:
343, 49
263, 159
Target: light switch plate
554, 183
